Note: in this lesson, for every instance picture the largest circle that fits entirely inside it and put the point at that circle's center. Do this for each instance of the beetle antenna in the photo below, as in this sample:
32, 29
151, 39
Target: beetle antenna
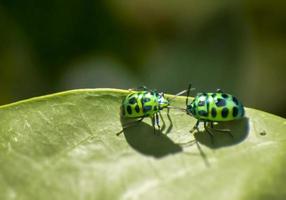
178, 108
180, 93
188, 94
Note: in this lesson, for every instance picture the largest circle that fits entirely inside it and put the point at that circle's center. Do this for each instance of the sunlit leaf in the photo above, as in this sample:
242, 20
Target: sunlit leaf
64, 146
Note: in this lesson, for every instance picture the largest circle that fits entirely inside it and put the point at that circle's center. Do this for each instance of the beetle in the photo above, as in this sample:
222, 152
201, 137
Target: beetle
143, 103
214, 107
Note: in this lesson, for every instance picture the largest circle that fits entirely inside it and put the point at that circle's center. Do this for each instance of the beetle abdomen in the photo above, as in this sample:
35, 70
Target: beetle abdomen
216, 107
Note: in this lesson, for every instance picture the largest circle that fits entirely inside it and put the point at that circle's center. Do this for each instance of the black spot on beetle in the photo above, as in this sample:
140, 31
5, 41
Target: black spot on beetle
220, 102
213, 112
129, 110
224, 112
213, 95
145, 100
234, 99
137, 109
203, 113
155, 108
234, 111
146, 108
225, 96
201, 103
132, 100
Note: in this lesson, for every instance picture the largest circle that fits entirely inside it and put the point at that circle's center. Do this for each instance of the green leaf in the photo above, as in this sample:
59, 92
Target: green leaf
64, 146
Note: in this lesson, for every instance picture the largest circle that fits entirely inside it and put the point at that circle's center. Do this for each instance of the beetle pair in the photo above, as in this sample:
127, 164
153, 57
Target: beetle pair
205, 107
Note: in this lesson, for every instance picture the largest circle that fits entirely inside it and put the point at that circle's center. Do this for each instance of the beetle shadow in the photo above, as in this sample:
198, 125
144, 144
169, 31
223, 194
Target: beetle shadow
239, 131
144, 140
164, 126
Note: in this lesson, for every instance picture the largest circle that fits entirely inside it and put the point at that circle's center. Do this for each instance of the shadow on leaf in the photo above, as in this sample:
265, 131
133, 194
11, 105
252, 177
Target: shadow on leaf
239, 131
142, 138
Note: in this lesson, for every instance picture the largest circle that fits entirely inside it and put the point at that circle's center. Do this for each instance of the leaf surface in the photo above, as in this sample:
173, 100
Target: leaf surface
64, 146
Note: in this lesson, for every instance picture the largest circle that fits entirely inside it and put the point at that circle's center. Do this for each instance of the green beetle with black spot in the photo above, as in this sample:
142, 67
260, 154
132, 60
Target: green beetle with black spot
145, 103
214, 107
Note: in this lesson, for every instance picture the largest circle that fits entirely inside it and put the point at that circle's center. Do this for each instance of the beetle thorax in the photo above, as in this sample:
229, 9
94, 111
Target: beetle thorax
163, 102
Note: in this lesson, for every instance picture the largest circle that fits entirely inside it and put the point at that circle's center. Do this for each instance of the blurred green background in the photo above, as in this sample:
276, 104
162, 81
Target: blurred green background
56, 45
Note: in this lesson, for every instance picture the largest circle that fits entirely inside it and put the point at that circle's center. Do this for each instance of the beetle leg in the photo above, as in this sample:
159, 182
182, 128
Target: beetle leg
228, 131
170, 120
130, 124
157, 120
153, 123
196, 127
163, 121
209, 132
